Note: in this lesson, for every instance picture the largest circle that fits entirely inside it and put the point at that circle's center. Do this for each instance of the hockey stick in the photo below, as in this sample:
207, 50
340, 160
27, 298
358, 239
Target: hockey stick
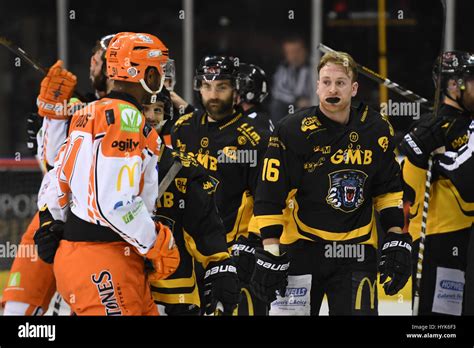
395, 87
175, 168
426, 201
21, 53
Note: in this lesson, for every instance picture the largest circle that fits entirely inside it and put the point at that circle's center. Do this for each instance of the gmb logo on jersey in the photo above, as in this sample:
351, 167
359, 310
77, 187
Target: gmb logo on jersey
346, 189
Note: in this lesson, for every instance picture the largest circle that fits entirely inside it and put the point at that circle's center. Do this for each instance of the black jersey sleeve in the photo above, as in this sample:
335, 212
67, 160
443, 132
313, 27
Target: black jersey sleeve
204, 233
280, 172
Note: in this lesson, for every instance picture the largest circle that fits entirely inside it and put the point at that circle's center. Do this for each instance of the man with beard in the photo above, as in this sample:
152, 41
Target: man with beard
188, 208
225, 142
31, 284
448, 224
337, 163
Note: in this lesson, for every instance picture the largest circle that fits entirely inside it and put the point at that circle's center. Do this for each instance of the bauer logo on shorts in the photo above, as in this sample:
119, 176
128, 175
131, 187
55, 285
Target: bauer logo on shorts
346, 190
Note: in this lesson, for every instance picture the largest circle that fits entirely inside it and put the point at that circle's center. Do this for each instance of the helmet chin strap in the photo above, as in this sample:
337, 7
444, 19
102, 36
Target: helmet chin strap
149, 90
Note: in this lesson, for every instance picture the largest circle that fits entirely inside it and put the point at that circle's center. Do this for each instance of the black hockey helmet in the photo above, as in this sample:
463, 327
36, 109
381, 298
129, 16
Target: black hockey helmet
456, 65
213, 68
253, 85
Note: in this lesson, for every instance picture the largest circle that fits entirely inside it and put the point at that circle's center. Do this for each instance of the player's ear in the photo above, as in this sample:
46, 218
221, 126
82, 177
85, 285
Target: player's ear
355, 87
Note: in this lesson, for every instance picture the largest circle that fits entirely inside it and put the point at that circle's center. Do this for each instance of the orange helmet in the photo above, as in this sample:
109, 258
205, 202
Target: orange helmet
130, 54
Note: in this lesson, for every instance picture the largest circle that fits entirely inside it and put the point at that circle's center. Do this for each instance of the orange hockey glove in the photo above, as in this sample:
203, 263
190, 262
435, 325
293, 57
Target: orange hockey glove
164, 255
56, 89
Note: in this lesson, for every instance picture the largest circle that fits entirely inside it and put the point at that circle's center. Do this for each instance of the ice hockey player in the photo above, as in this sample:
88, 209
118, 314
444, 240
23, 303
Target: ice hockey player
253, 89
188, 208
31, 283
228, 144
448, 228
338, 164
108, 169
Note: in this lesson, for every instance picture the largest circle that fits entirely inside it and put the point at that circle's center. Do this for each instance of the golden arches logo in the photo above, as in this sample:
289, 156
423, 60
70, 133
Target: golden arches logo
359, 293
131, 175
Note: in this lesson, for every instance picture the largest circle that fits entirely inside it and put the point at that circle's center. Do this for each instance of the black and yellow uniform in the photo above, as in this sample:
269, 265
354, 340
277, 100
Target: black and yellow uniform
335, 176
231, 150
448, 227
188, 209
260, 117
458, 166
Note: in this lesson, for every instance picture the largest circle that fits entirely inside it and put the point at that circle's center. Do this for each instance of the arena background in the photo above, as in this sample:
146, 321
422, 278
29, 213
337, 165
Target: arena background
250, 29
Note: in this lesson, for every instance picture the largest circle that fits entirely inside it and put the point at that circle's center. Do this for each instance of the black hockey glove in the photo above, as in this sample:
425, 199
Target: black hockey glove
48, 236
270, 275
243, 253
33, 125
221, 285
395, 262
425, 137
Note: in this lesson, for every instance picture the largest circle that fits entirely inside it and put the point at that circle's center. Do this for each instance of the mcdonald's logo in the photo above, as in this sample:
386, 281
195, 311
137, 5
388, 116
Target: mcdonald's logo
131, 175
359, 293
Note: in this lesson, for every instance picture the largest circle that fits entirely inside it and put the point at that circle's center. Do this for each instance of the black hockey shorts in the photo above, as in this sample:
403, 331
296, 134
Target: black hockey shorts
345, 273
443, 275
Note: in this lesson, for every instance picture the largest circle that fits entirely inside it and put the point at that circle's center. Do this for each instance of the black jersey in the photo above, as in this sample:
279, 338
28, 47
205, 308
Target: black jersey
446, 206
188, 208
261, 118
336, 176
231, 150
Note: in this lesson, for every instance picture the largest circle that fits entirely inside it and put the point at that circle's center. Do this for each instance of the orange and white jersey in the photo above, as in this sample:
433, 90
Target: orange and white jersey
107, 172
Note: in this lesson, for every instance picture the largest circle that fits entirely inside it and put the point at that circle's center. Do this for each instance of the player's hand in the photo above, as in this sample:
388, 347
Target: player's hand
395, 261
164, 255
424, 138
270, 275
221, 285
33, 125
56, 90
47, 239
243, 253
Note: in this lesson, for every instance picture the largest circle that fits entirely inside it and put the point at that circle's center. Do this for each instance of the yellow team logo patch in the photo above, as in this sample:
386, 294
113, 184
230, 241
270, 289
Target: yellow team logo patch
383, 142
310, 123
353, 137
181, 184
241, 140
205, 142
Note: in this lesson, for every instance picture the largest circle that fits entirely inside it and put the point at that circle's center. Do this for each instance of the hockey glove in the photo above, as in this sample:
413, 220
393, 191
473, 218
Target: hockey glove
164, 255
243, 253
48, 236
33, 125
56, 90
270, 275
221, 285
422, 140
395, 262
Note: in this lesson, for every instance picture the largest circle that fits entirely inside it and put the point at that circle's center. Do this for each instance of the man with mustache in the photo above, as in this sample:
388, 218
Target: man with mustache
224, 141
336, 164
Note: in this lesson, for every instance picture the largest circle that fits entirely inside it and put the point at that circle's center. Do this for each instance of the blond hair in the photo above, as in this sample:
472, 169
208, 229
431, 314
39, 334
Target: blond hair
340, 58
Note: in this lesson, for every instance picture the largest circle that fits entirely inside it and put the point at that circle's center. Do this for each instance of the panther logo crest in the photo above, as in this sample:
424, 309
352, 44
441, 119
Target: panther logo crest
346, 188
